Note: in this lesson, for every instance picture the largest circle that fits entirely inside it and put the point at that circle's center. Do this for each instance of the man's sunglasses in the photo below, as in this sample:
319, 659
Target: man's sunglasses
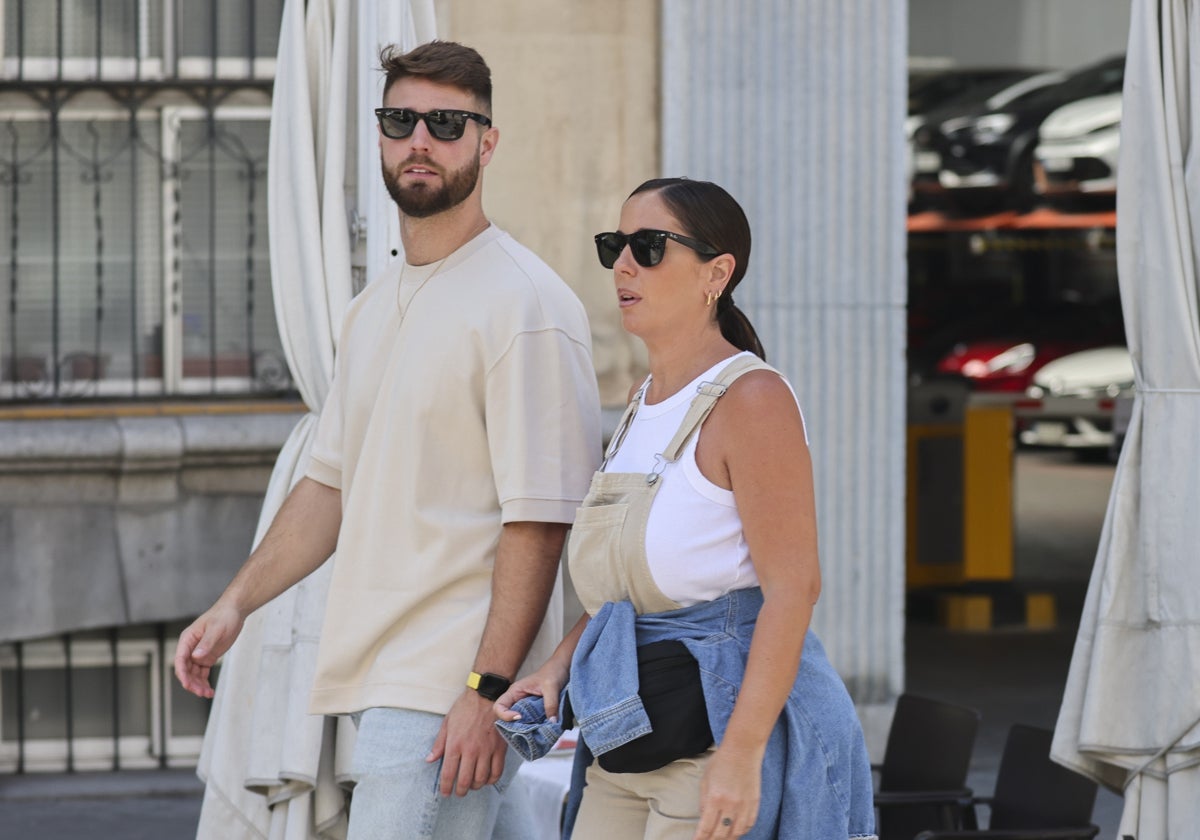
647, 246
398, 123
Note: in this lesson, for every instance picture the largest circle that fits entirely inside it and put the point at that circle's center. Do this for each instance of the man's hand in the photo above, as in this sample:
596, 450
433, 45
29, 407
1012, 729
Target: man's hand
471, 749
204, 642
301, 537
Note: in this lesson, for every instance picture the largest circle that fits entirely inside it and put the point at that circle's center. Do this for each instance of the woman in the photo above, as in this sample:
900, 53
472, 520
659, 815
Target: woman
700, 528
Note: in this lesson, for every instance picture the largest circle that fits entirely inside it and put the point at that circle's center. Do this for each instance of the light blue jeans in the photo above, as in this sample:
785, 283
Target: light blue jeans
396, 793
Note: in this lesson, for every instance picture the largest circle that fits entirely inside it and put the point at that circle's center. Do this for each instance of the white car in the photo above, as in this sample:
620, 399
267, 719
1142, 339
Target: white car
1076, 156
1071, 401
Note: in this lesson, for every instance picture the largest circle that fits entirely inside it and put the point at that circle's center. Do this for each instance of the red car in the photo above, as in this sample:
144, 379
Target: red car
999, 351
1005, 365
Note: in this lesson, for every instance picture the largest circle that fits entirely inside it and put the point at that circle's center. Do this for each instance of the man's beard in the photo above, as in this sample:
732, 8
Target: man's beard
421, 200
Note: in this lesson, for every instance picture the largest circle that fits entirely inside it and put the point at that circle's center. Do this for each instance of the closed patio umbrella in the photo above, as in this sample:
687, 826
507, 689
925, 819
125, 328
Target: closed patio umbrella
1130, 716
272, 770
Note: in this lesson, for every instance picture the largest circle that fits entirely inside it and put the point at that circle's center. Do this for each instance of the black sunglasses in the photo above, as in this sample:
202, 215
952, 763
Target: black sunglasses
398, 123
647, 246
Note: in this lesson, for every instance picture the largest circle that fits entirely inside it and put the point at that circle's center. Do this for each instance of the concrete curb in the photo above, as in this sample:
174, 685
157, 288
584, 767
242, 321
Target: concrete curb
126, 784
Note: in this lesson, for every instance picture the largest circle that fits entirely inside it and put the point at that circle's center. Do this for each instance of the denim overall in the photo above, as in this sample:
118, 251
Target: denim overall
816, 773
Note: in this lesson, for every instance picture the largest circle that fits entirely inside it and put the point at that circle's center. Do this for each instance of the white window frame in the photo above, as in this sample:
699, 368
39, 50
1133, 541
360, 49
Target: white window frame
174, 382
170, 119
182, 750
148, 386
143, 65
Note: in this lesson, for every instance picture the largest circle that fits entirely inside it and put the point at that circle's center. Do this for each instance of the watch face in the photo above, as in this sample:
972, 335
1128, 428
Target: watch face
492, 686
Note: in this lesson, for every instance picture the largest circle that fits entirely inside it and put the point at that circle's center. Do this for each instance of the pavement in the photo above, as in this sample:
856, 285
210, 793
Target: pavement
127, 805
1011, 675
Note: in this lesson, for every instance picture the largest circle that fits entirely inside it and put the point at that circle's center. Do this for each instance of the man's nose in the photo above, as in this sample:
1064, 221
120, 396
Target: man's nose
420, 137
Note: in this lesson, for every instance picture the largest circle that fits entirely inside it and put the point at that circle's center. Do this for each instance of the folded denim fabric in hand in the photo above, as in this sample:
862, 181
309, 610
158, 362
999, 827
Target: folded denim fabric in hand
533, 736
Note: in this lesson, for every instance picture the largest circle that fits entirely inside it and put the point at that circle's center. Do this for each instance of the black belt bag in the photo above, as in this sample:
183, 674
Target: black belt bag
669, 685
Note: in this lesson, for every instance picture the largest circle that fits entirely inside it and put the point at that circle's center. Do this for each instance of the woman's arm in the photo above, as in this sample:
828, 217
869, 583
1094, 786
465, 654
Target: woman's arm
754, 444
547, 681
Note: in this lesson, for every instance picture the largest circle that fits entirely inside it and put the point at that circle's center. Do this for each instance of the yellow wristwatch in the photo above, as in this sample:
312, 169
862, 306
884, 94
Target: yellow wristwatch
490, 686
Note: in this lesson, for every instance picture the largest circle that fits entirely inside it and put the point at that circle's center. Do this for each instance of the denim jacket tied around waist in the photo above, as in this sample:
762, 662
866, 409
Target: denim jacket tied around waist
815, 755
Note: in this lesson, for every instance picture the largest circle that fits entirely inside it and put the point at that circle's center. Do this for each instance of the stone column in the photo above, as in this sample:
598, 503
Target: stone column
797, 109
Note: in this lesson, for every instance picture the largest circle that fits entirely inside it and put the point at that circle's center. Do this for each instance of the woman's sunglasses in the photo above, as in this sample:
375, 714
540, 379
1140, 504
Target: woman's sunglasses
398, 123
647, 246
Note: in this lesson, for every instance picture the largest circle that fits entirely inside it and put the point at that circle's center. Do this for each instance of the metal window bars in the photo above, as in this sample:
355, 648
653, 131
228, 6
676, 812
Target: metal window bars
131, 187
98, 700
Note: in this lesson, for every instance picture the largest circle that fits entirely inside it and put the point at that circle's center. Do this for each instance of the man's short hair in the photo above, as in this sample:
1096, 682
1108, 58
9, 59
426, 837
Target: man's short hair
444, 62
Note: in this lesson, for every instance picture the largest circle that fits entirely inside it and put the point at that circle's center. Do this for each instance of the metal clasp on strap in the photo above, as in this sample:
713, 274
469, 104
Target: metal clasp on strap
711, 389
660, 464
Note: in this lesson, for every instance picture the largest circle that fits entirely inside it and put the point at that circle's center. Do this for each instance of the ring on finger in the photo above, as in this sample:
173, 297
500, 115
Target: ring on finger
727, 821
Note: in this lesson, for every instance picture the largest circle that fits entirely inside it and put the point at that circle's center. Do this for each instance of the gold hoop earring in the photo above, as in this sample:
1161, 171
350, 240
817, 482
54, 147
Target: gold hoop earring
709, 297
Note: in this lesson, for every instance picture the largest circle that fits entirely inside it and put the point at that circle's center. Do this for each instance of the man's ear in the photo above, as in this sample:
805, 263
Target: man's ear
487, 144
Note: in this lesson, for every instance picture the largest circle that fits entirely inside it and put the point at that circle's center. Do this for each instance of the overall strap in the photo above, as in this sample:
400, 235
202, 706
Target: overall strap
618, 436
706, 398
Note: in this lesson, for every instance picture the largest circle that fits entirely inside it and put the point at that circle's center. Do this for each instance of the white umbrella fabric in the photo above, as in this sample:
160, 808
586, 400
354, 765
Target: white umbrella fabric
1130, 716
271, 769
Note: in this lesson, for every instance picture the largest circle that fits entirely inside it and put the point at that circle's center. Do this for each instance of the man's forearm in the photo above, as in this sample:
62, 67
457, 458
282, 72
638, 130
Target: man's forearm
301, 537
523, 578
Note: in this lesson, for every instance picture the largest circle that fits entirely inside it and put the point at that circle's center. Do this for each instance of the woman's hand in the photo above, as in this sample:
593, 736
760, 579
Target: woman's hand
546, 682
729, 793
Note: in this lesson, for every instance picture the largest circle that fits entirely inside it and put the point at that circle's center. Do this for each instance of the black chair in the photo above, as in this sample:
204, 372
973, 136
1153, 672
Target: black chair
1035, 799
922, 780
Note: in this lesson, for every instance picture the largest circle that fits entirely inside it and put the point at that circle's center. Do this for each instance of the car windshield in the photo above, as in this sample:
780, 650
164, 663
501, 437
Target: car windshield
1023, 90
955, 89
1105, 77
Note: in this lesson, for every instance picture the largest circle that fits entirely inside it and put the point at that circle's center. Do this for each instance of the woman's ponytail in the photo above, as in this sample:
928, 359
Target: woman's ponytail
736, 327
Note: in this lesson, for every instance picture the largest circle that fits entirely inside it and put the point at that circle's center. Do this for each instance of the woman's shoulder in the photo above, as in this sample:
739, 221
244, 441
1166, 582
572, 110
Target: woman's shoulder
760, 388
758, 401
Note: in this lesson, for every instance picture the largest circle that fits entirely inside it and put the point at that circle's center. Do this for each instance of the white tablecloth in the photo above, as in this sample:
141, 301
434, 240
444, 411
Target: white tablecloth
546, 781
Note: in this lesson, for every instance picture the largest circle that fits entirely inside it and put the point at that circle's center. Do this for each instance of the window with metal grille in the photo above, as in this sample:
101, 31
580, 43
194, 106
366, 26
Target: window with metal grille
133, 137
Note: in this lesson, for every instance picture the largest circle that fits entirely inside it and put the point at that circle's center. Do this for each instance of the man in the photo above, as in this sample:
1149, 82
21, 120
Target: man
458, 438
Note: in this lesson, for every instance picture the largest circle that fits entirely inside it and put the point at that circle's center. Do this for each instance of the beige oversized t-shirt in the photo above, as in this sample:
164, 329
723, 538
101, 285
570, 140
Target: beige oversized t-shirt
476, 406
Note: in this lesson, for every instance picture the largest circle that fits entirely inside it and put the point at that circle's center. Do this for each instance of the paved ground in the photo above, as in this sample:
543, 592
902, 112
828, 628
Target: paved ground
1058, 507
1010, 676
132, 805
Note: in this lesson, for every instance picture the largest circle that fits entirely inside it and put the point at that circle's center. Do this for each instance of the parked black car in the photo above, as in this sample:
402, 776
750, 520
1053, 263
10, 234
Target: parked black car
924, 159
987, 156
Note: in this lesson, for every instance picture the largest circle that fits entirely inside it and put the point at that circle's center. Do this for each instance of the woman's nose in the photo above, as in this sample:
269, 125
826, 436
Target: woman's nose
625, 262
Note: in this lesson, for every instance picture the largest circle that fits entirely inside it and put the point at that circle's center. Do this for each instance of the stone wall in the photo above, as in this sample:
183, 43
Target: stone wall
109, 521
576, 100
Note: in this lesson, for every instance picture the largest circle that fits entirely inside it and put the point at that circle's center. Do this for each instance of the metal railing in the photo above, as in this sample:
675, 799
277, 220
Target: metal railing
100, 700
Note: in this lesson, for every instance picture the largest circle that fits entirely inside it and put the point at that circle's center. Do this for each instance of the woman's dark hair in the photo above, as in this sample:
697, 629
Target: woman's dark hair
444, 62
710, 214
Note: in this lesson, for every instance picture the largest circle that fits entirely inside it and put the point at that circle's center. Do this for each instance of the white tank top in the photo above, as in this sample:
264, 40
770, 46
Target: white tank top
694, 542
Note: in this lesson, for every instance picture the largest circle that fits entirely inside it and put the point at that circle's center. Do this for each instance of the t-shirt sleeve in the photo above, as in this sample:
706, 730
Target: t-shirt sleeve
325, 458
543, 426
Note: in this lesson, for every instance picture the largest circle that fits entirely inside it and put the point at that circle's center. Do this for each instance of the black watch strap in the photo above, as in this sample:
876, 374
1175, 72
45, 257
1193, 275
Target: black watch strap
490, 686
